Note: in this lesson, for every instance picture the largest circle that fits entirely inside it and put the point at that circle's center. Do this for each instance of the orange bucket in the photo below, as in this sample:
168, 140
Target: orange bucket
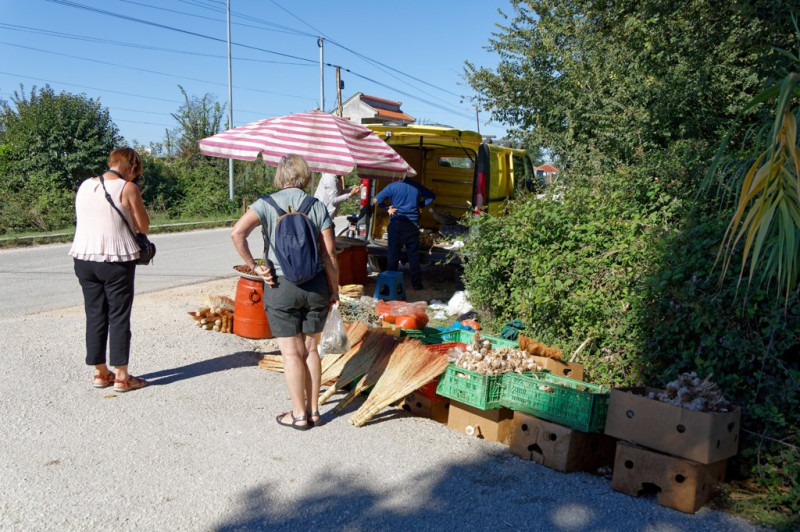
249, 317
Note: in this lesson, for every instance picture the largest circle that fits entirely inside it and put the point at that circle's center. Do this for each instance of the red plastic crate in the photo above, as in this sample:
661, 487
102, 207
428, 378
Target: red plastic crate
429, 390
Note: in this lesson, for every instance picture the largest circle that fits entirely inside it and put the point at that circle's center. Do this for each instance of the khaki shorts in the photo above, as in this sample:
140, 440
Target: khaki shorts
292, 309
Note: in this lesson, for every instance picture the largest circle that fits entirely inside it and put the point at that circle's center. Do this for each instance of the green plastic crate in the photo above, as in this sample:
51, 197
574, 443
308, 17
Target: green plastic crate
465, 337
470, 387
427, 336
575, 404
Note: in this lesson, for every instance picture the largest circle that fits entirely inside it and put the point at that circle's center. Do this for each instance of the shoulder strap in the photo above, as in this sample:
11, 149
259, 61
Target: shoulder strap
108, 197
305, 207
274, 205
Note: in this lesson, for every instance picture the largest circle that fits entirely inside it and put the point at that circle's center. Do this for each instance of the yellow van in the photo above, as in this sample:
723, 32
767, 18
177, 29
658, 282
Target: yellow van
468, 176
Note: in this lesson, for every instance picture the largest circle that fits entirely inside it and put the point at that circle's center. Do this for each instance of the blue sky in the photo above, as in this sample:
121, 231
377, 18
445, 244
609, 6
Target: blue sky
133, 54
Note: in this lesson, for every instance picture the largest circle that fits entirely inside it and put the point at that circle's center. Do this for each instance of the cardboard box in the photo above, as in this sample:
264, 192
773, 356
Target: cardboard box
419, 405
704, 437
490, 425
572, 370
559, 447
678, 483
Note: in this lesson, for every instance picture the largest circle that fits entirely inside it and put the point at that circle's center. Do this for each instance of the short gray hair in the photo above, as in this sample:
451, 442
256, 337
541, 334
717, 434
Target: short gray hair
292, 172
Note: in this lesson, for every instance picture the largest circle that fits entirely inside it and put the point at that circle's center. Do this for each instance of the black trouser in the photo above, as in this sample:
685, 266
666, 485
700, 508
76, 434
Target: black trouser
107, 299
403, 232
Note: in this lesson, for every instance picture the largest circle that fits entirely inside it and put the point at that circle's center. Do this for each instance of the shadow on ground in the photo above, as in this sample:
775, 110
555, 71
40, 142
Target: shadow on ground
223, 363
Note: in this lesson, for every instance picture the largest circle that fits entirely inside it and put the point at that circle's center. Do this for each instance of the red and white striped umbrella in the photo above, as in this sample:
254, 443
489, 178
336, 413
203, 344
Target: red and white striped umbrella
327, 143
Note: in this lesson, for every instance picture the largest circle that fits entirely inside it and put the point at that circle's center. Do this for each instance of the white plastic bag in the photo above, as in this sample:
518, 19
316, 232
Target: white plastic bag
334, 336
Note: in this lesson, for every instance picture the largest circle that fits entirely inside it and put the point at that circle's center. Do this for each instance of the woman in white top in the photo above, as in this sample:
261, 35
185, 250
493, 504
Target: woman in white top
105, 253
330, 192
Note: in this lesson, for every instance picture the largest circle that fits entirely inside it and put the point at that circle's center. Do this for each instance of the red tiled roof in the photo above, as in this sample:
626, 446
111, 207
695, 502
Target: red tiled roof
381, 100
547, 168
393, 115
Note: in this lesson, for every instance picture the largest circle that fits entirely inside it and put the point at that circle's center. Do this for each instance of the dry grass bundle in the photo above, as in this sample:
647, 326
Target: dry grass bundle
374, 372
271, 363
357, 365
410, 367
536, 349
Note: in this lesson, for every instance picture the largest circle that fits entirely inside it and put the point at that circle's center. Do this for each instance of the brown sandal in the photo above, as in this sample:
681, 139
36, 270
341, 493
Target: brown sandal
131, 383
103, 381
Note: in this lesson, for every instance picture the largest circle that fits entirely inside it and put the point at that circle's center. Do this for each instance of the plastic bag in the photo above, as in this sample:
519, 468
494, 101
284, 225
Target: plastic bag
334, 336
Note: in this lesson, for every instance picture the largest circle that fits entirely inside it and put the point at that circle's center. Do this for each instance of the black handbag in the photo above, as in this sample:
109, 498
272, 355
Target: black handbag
147, 250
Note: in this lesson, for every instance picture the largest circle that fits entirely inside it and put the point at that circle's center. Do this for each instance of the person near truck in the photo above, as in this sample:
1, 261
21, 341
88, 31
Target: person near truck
331, 192
403, 200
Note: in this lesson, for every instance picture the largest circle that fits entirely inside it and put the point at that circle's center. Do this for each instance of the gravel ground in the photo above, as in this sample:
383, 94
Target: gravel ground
199, 448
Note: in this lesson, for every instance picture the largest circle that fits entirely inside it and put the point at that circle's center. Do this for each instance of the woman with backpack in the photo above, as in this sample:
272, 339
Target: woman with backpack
300, 271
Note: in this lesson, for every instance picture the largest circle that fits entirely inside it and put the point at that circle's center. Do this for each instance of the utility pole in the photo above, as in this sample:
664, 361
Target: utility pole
320, 43
339, 85
230, 103
477, 119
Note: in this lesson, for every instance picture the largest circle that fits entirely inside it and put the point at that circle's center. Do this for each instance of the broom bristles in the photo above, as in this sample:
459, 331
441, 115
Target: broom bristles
358, 364
355, 334
374, 373
410, 367
271, 363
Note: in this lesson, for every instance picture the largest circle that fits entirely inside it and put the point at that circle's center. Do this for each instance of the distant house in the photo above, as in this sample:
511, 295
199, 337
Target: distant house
365, 109
547, 172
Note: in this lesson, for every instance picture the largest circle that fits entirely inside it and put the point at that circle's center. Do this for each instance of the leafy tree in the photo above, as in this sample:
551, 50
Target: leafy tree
197, 119
48, 144
64, 136
604, 82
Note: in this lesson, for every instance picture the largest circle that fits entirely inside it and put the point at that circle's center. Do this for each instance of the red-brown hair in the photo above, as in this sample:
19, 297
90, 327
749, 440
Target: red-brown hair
125, 158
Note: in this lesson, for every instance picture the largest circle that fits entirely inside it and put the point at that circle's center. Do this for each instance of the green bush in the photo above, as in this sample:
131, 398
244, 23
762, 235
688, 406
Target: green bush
619, 265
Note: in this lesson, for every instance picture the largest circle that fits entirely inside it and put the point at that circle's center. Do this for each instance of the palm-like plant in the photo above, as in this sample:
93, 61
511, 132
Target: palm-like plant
767, 215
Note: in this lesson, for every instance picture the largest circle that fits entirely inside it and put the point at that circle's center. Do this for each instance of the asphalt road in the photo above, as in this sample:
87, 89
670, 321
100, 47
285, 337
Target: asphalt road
199, 449
38, 278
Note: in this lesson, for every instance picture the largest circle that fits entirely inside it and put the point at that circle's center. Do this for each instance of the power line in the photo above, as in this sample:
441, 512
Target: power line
171, 28
41, 31
170, 75
133, 19
376, 62
92, 88
270, 27
255, 113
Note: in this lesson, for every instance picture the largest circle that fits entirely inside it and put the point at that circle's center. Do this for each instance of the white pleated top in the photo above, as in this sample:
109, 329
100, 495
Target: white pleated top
101, 235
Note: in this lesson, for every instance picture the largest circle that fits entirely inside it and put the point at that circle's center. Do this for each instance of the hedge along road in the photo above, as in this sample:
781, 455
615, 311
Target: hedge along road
199, 448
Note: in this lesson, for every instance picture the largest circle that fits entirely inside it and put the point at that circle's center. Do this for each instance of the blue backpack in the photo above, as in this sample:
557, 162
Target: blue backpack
296, 244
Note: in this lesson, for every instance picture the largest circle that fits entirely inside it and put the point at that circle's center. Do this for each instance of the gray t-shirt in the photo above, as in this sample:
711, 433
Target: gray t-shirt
288, 197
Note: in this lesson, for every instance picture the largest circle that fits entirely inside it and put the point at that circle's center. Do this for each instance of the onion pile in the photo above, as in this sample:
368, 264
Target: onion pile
692, 393
479, 356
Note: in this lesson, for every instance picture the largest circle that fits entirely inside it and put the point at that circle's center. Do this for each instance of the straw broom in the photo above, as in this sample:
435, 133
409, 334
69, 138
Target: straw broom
374, 373
356, 332
358, 364
271, 363
410, 367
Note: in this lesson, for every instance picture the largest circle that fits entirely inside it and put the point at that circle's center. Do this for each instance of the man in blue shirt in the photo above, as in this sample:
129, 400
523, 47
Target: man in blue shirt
403, 200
